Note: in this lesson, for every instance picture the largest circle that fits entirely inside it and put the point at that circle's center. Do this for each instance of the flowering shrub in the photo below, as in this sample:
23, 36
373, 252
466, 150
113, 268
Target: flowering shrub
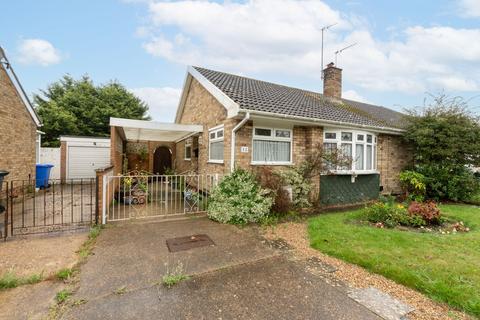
387, 214
300, 184
428, 211
238, 199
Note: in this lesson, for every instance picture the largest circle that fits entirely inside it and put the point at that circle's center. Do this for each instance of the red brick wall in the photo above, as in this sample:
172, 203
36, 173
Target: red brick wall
17, 132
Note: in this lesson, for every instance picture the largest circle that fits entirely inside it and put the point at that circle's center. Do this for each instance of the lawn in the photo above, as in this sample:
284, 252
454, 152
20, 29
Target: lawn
444, 267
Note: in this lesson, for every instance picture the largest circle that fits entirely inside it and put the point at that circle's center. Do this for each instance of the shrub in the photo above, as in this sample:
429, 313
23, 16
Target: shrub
239, 199
413, 184
272, 181
427, 211
389, 215
300, 183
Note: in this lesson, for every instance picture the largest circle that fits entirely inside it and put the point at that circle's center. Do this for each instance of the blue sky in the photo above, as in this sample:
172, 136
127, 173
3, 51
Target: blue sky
404, 48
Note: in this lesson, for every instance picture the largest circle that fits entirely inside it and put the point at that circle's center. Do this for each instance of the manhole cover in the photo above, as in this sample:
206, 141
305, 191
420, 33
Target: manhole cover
189, 242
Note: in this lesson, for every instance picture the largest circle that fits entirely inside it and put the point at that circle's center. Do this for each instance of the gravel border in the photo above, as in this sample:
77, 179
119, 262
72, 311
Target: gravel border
296, 236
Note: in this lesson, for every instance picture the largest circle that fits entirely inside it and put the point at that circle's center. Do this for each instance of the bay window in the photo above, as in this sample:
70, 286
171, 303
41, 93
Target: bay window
215, 142
360, 147
271, 146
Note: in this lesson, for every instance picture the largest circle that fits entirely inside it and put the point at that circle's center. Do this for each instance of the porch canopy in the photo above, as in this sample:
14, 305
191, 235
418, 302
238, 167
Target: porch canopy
141, 130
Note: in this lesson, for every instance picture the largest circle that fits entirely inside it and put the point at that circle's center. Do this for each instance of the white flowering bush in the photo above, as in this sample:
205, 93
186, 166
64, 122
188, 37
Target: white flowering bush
239, 199
301, 186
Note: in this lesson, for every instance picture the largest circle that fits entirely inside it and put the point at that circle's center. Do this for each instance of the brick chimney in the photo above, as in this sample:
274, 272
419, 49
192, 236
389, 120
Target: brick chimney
332, 81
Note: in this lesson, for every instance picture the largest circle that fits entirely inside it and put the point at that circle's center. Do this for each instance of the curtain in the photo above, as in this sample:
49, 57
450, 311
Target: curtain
359, 157
271, 151
369, 157
216, 150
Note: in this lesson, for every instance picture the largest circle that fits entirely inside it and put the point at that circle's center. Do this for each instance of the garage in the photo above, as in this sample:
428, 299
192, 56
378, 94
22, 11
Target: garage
81, 156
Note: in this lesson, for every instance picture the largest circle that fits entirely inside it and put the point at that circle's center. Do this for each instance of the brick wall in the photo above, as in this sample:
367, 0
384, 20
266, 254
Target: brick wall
116, 150
393, 156
17, 132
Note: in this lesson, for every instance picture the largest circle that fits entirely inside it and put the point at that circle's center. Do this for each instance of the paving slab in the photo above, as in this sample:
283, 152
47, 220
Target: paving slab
270, 288
135, 255
381, 303
29, 301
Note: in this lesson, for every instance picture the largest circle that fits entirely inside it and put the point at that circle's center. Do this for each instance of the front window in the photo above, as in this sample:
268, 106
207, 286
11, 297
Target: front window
216, 145
272, 146
188, 149
361, 147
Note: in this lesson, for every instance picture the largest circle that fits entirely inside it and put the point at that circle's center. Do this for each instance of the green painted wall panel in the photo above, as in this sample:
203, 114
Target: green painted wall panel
339, 189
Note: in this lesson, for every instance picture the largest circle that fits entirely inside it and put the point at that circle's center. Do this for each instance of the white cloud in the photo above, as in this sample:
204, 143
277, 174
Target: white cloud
283, 38
354, 95
162, 101
470, 8
38, 51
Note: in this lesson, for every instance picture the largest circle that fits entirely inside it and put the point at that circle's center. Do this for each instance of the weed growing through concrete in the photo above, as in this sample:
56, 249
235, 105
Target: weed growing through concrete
86, 249
63, 295
174, 276
65, 274
11, 280
121, 290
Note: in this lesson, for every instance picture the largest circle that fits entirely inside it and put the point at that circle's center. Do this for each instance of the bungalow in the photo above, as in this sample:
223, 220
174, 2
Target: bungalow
242, 122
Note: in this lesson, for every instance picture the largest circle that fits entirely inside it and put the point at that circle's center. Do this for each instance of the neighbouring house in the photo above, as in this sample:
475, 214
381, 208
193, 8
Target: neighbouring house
19, 135
225, 121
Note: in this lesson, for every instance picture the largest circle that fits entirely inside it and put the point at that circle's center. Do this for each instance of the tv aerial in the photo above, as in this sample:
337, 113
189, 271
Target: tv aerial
323, 31
341, 50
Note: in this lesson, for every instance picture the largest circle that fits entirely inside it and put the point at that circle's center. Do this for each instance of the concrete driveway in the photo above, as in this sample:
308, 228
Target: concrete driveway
240, 277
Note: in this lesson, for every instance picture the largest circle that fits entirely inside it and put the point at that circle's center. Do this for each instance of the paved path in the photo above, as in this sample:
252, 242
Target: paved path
238, 278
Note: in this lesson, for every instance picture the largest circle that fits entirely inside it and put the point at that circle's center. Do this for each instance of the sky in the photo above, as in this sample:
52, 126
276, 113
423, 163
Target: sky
405, 50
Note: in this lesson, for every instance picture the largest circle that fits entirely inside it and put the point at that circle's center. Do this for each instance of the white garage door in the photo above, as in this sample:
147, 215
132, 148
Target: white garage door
83, 160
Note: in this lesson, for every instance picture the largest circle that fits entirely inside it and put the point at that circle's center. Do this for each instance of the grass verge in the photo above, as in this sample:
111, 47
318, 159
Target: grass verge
444, 267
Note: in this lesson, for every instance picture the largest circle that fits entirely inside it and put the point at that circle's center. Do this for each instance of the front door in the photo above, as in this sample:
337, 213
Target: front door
162, 160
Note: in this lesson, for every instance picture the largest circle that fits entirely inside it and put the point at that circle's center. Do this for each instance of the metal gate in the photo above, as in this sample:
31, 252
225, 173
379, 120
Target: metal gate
144, 196
55, 206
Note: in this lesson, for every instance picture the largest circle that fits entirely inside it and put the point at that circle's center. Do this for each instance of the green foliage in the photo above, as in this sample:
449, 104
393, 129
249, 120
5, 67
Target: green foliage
300, 183
239, 199
78, 107
413, 183
65, 274
10, 280
63, 295
446, 141
390, 215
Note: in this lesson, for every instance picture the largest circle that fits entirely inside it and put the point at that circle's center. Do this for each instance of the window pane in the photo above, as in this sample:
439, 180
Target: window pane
360, 137
329, 147
375, 157
346, 149
346, 136
220, 134
212, 135
282, 133
330, 135
263, 132
369, 157
271, 151
359, 157
369, 138
216, 150
188, 152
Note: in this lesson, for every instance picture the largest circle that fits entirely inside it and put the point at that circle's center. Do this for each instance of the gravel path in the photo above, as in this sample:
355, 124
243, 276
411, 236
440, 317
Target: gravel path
295, 234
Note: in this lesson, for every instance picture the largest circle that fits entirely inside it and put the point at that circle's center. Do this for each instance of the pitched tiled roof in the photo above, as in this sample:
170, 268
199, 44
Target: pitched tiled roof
256, 95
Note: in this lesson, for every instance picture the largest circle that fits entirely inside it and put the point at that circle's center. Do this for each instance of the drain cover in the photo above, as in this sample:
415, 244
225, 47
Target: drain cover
189, 242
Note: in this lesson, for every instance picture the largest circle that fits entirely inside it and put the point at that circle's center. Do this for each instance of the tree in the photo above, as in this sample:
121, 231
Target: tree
446, 142
78, 107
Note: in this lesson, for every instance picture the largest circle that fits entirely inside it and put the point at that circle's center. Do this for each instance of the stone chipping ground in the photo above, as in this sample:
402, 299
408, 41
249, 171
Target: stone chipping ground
296, 237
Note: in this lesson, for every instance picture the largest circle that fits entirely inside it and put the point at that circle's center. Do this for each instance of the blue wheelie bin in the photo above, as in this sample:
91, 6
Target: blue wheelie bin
42, 175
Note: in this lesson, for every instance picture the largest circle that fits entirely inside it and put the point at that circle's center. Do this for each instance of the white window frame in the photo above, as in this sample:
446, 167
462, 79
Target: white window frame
188, 143
354, 142
215, 130
273, 137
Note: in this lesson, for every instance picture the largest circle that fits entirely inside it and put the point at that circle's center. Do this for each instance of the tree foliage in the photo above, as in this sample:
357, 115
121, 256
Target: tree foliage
446, 142
78, 107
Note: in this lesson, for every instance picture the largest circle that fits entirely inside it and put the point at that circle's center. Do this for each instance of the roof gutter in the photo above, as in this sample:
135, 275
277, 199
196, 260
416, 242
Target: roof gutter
234, 134
324, 122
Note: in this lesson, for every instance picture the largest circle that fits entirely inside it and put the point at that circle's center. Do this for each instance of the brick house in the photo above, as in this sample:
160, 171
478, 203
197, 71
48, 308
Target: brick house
250, 123
19, 123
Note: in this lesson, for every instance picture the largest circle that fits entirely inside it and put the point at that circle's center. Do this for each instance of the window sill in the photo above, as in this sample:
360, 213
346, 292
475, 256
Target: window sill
215, 161
271, 163
351, 172
188, 159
